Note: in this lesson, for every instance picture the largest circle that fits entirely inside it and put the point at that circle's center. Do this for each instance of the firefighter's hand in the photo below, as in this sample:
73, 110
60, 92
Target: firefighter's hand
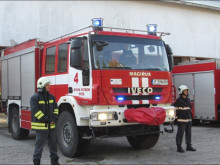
51, 122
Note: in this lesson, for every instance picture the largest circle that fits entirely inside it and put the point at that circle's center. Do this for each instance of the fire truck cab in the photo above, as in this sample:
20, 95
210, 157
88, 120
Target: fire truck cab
96, 76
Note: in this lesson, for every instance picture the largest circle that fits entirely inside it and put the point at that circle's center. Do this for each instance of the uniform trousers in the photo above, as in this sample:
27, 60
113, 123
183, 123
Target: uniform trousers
183, 127
41, 137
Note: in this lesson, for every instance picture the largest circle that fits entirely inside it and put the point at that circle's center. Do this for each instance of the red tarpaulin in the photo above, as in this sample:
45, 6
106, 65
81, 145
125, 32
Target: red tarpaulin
148, 116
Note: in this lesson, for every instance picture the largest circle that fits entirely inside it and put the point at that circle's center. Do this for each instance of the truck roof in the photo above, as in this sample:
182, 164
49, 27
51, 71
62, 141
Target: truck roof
197, 66
67, 37
24, 45
104, 33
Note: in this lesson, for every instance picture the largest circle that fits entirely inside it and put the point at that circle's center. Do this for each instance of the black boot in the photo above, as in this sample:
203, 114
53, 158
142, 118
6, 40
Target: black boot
190, 148
36, 161
54, 161
180, 149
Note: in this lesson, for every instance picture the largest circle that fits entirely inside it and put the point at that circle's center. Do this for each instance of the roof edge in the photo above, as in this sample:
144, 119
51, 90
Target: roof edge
191, 4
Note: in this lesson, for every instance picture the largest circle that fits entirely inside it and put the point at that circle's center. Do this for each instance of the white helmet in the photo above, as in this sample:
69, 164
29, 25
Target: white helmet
41, 82
182, 88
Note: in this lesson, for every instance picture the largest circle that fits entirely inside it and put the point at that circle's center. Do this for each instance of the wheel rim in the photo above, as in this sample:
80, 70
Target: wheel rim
67, 134
15, 123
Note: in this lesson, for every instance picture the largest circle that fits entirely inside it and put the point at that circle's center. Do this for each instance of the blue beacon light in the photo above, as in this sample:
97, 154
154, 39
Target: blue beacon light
152, 29
97, 23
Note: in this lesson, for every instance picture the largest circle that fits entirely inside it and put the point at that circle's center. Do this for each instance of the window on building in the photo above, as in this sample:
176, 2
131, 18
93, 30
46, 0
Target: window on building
50, 60
62, 58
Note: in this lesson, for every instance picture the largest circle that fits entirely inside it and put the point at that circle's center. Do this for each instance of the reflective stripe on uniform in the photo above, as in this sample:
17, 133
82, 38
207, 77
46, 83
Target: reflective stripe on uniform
41, 126
50, 101
37, 124
39, 115
41, 102
56, 111
183, 108
183, 120
52, 126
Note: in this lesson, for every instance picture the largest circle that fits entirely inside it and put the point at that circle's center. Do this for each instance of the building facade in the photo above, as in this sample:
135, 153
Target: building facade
194, 28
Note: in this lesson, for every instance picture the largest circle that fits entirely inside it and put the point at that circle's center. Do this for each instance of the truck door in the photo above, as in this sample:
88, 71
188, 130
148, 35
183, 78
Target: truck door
55, 67
80, 70
61, 77
48, 67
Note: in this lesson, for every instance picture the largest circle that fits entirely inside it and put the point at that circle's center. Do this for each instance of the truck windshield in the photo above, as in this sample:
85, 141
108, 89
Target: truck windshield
116, 52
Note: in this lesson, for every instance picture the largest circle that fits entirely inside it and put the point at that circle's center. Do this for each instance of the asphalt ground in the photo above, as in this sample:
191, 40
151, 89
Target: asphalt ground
205, 138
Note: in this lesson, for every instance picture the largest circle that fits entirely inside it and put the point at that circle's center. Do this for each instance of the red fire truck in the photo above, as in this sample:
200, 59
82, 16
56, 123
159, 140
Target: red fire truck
97, 73
203, 79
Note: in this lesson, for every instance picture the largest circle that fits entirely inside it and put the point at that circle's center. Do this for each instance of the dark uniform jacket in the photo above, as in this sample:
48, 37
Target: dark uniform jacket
183, 109
43, 111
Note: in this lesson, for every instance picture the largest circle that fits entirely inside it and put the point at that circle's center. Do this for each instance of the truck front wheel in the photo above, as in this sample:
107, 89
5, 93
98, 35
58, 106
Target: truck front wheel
70, 143
17, 132
143, 141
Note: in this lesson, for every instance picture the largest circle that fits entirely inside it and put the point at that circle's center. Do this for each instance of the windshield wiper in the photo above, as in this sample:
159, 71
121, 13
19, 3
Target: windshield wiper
123, 67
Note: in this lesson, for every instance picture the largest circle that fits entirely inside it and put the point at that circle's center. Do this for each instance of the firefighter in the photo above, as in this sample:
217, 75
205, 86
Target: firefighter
44, 113
184, 119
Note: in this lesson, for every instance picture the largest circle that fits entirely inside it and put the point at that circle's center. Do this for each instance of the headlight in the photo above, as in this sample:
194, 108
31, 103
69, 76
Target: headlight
159, 82
171, 112
103, 116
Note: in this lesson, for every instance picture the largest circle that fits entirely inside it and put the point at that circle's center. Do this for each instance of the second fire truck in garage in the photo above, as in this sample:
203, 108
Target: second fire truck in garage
203, 79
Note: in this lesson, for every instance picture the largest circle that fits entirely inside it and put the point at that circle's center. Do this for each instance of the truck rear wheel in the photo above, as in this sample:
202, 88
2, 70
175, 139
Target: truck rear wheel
17, 132
143, 141
70, 143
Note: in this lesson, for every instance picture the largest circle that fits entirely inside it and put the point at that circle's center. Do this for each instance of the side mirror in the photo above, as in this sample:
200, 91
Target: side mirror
169, 56
168, 49
76, 44
76, 59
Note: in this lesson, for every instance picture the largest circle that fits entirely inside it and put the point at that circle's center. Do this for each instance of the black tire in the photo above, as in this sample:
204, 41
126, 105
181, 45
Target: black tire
143, 141
69, 141
17, 132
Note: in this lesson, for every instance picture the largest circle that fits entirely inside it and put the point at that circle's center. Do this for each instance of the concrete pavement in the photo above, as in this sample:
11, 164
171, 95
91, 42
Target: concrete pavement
206, 139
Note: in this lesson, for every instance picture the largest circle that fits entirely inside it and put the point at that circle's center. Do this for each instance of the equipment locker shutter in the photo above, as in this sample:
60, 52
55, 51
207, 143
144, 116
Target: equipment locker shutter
204, 96
184, 79
14, 76
27, 78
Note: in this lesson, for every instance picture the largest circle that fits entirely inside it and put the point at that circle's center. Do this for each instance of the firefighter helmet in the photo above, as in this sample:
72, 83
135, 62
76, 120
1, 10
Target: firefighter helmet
182, 88
41, 82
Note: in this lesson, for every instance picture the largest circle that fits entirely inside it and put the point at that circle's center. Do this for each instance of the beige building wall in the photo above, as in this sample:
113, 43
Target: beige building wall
194, 30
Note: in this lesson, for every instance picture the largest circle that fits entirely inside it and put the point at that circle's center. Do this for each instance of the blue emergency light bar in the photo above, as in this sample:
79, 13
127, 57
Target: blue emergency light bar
97, 23
152, 29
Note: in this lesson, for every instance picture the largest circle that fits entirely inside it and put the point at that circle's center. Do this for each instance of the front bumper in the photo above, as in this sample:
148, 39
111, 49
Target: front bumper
102, 116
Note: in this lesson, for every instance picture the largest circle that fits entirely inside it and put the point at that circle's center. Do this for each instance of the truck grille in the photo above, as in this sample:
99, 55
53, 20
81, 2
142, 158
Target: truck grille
125, 90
